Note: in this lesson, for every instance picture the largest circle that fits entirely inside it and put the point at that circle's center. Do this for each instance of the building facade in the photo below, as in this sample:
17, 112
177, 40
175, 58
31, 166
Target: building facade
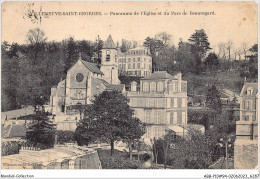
247, 126
160, 103
135, 62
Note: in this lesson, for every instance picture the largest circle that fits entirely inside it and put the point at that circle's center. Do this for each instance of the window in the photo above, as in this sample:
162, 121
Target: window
175, 119
138, 65
133, 65
79, 77
250, 91
183, 103
133, 59
147, 116
160, 86
248, 105
129, 66
119, 66
139, 59
144, 59
108, 57
153, 86
175, 103
146, 86
144, 65
183, 117
174, 87
158, 117
156, 132
148, 132
246, 118
129, 59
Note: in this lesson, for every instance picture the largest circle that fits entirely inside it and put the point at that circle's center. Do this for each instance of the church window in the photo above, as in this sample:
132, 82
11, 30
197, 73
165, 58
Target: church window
160, 86
146, 86
250, 91
79, 77
108, 57
153, 86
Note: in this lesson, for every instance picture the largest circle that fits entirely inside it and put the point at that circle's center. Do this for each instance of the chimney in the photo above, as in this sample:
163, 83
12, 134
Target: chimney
179, 81
133, 86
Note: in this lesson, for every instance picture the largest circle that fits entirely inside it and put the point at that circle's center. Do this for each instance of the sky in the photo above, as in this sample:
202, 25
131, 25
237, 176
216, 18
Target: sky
236, 21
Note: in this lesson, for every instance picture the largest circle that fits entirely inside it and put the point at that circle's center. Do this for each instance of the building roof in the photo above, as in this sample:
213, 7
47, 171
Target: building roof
92, 67
118, 87
253, 85
14, 130
159, 75
109, 43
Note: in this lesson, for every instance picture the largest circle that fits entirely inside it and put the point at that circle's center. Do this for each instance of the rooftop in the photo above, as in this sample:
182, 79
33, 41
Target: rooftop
92, 67
109, 43
159, 75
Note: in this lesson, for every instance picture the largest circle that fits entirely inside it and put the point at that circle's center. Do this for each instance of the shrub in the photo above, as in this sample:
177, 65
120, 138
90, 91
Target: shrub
65, 137
11, 147
118, 161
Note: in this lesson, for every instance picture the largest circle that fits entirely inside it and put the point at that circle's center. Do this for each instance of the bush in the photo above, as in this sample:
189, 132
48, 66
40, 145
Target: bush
11, 147
118, 161
65, 137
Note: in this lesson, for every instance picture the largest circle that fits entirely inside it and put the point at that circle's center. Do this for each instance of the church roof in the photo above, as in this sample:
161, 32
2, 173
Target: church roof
159, 75
92, 67
109, 43
118, 87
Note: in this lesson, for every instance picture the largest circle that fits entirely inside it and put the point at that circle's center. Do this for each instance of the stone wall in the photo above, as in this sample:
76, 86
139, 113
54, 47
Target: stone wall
245, 154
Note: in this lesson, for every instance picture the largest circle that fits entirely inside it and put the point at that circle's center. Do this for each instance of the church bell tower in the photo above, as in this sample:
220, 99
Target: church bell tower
109, 64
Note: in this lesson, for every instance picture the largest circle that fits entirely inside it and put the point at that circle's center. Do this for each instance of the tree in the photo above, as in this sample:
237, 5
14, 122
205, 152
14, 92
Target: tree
244, 49
41, 131
36, 36
71, 54
112, 119
212, 61
134, 129
229, 46
213, 99
200, 46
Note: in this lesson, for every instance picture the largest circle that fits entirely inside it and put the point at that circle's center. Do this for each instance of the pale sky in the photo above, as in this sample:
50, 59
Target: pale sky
236, 21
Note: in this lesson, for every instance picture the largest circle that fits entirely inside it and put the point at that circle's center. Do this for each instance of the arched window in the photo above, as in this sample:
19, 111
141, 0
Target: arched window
153, 86
249, 91
146, 86
160, 86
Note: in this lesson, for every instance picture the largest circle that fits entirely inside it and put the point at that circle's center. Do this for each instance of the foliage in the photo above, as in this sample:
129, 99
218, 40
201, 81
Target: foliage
41, 131
213, 99
65, 137
118, 161
110, 118
199, 48
11, 147
212, 62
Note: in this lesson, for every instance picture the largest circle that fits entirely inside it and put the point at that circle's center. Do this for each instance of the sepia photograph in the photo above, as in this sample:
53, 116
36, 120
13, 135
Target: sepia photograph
129, 85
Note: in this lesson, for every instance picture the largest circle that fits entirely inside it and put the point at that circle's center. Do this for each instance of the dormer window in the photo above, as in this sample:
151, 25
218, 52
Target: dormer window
249, 91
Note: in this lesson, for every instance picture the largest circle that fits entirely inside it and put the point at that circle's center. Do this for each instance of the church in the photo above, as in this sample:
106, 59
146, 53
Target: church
84, 80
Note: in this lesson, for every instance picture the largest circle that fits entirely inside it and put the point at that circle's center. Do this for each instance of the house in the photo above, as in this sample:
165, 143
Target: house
160, 102
135, 62
246, 144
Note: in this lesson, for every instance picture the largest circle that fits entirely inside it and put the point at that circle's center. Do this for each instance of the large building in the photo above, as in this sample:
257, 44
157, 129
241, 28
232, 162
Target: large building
160, 103
84, 80
246, 144
135, 62
247, 126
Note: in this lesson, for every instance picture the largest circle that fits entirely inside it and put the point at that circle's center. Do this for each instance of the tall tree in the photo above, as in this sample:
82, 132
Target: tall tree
212, 61
71, 53
213, 99
200, 46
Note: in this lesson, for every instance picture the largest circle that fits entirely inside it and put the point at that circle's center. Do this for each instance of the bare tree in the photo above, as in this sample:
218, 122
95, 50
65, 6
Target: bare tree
164, 37
36, 36
244, 49
229, 46
222, 51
